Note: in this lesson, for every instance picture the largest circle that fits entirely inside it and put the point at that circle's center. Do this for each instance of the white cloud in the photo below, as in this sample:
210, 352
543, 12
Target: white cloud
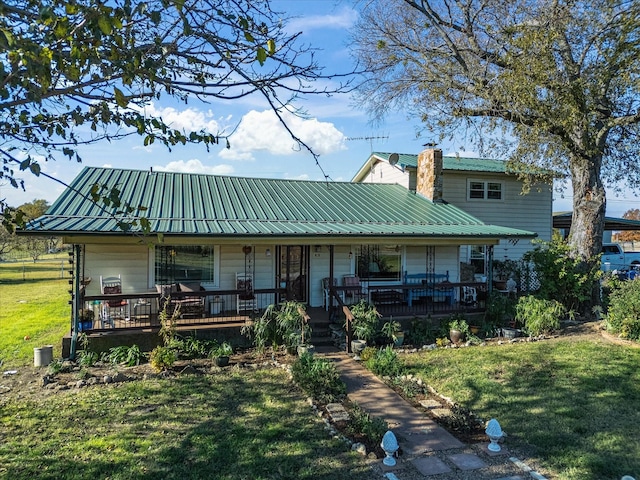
343, 19
189, 120
194, 166
302, 176
262, 131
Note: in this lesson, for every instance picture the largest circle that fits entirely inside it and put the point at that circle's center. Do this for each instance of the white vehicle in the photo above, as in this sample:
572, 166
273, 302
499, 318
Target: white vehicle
615, 258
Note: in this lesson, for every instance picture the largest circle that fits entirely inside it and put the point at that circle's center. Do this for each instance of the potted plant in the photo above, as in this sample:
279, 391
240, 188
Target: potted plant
85, 320
458, 328
364, 324
293, 322
220, 354
392, 330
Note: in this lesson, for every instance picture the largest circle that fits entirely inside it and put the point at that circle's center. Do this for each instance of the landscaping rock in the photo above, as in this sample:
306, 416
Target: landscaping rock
360, 448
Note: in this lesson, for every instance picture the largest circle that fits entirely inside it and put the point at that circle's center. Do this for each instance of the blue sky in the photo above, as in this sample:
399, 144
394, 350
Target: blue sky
342, 134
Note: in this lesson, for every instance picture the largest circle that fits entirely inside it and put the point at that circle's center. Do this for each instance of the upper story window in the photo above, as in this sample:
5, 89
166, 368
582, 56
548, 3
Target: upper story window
484, 190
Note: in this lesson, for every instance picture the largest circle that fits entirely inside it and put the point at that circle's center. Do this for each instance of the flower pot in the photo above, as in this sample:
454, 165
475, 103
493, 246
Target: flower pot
510, 332
222, 361
357, 346
302, 349
399, 340
455, 335
475, 329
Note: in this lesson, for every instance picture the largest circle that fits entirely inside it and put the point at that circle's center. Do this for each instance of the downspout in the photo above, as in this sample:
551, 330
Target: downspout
75, 307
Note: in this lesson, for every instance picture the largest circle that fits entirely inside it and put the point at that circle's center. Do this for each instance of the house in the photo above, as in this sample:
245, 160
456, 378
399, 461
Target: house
226, 247
484, 188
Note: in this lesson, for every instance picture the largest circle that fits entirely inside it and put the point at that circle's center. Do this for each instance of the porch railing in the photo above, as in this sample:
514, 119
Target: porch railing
421, 299
141, 310
413, 300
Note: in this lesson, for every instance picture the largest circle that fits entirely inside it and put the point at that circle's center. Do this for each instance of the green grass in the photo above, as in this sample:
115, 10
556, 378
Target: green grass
33, 303
239, 424
573, 406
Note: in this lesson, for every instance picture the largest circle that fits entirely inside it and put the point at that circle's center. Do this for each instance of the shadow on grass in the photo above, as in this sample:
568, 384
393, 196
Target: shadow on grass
251, 425
572, 404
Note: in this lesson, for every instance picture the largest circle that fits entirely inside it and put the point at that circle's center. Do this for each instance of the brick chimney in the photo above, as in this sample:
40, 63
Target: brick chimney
429, 174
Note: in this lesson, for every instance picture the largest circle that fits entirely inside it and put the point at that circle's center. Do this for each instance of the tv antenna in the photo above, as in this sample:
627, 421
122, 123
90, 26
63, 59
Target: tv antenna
370, 139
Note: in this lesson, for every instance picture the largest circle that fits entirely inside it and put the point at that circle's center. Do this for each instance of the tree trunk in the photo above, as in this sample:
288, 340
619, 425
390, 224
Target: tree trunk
587, 223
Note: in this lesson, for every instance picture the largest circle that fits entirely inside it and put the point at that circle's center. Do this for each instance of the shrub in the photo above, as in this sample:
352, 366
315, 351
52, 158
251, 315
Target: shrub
123, 354
367, 353
318, 378
373, 428
623, 317
280, 324
385, 363
421, 332
196, 348
162, 358
365, 320
562, 277
539, 315
87, 358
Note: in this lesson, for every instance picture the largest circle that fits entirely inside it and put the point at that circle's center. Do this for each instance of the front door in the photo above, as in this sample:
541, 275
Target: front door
293, 269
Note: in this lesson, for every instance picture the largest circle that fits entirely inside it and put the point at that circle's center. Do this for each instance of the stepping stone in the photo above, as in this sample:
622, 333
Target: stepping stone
466, 461
337, 412
430, 403
428, 466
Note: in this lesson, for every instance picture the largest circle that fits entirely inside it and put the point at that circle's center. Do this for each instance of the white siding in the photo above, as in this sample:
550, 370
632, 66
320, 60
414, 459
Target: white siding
382, 172
131, 262
530, 212
446, 259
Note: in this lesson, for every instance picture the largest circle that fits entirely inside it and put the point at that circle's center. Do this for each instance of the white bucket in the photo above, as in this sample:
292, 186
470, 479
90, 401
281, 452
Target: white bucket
43, 356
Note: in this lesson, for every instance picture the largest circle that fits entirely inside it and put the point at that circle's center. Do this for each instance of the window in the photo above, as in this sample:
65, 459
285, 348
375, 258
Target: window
186, 263
379, 262
477, 259
479, 189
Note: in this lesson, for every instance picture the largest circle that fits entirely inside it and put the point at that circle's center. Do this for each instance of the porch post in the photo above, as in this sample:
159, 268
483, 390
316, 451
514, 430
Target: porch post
490, 268
331, 285
75, 301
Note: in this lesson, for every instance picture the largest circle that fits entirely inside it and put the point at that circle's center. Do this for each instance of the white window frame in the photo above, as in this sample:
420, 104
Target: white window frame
485, 189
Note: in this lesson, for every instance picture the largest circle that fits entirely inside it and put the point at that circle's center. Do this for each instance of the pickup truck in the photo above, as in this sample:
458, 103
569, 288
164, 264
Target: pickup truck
615, 258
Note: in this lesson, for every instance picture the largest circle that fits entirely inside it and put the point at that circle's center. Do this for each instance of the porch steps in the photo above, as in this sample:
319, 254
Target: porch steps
320, 333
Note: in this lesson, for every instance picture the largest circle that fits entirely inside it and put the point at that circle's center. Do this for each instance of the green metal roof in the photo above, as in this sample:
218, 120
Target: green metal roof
452, 163
221, 206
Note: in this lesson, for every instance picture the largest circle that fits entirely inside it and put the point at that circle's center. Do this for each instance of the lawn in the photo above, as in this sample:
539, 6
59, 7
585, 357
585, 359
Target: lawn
230, 425
572, 405
33, 304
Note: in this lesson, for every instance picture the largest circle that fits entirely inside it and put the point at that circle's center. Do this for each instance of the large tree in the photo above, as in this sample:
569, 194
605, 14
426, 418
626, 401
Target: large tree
82, 71
553, 82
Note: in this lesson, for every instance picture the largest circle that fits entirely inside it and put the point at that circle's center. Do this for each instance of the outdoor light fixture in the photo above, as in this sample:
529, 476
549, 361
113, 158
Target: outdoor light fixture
390, 446
267, 252
494, 432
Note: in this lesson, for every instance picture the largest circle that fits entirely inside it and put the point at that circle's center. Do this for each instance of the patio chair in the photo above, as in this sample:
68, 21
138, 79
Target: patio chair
355, 293
469, 296
112, 309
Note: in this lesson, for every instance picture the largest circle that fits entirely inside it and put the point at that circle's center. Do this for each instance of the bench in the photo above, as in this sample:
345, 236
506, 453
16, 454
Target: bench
435, 287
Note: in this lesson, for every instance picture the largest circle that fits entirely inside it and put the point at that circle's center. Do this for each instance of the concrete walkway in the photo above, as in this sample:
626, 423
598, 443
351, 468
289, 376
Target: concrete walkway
428, 450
